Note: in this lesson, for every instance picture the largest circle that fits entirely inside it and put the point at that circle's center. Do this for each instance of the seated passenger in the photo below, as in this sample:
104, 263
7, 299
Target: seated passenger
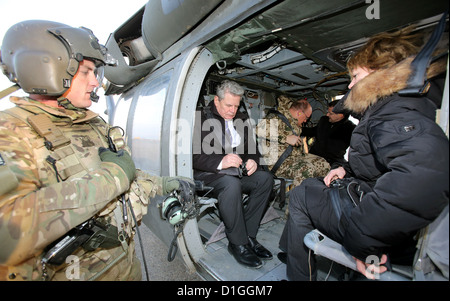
332, 135
225, 157
398, 155
277, 137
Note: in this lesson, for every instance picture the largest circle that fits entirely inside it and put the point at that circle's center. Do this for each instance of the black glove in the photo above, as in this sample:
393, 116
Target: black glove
121, 158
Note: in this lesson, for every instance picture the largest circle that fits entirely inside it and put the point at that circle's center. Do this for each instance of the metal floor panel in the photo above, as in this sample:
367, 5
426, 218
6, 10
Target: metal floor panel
220, 263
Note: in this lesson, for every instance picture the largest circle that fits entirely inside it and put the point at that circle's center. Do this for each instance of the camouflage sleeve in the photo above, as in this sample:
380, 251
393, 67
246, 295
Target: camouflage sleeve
263, 129
31, 215
283, 131
143, 188
273, 129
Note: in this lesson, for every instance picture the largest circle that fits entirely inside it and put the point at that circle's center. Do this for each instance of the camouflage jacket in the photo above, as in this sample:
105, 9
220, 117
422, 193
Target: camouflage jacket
40, 205
272, 133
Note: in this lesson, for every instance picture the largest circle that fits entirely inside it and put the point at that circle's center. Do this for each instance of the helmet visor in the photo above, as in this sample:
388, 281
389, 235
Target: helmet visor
81, 41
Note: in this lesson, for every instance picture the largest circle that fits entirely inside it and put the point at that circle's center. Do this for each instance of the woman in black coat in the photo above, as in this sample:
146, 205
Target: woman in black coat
398, 154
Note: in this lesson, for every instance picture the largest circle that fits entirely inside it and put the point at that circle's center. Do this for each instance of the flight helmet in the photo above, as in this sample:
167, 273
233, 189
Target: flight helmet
42, 57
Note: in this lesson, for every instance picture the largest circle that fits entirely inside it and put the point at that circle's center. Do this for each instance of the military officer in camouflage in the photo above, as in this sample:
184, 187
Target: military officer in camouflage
275, 136
62, 168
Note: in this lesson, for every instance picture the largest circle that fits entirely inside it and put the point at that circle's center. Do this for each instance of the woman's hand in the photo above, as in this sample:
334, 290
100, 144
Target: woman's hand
371, 271
337, 173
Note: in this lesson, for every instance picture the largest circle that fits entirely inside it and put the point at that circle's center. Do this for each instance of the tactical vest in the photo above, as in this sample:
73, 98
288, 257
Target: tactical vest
59, 158
58, 148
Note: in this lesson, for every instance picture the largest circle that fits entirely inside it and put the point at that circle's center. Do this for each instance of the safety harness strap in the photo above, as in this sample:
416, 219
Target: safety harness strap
54, 141
416, 83
289, 149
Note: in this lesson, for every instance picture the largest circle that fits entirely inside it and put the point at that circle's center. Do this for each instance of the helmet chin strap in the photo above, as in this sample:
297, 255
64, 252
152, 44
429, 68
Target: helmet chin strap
65, 103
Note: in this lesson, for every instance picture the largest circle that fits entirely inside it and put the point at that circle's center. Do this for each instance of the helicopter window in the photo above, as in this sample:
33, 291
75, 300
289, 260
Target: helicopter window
145, 131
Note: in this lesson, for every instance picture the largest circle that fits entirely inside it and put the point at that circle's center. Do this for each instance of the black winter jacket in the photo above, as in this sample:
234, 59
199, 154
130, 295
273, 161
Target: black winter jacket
332, 139
399, 150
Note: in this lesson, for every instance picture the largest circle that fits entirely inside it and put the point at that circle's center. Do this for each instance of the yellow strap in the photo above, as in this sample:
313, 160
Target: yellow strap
305, 145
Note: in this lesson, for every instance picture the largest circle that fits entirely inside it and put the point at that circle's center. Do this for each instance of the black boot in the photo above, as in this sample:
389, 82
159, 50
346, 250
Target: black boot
244, 255
259, 249
282, 256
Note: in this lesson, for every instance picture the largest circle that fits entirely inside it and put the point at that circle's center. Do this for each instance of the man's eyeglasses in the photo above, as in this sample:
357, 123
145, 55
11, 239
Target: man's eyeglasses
307, 117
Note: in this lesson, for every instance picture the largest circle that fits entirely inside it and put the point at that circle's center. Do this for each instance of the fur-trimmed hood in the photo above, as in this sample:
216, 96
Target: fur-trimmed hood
385, 82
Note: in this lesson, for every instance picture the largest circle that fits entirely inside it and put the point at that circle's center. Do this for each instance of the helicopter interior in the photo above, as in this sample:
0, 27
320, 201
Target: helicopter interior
293, 48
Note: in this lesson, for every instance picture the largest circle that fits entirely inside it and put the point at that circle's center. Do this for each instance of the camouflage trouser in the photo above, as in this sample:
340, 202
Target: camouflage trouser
299, 169
307, 166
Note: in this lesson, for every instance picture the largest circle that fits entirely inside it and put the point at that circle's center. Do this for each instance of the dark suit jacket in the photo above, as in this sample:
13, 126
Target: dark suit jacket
332, 139
210, 144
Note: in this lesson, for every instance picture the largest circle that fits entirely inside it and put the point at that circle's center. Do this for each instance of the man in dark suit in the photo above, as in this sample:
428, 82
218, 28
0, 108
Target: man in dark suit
226, 157
332, 135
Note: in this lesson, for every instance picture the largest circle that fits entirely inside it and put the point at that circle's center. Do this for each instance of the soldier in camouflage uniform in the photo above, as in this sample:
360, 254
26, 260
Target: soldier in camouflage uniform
274, 136
56, 166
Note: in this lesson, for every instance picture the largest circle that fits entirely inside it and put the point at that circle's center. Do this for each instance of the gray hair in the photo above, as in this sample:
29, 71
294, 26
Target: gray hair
230, 87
